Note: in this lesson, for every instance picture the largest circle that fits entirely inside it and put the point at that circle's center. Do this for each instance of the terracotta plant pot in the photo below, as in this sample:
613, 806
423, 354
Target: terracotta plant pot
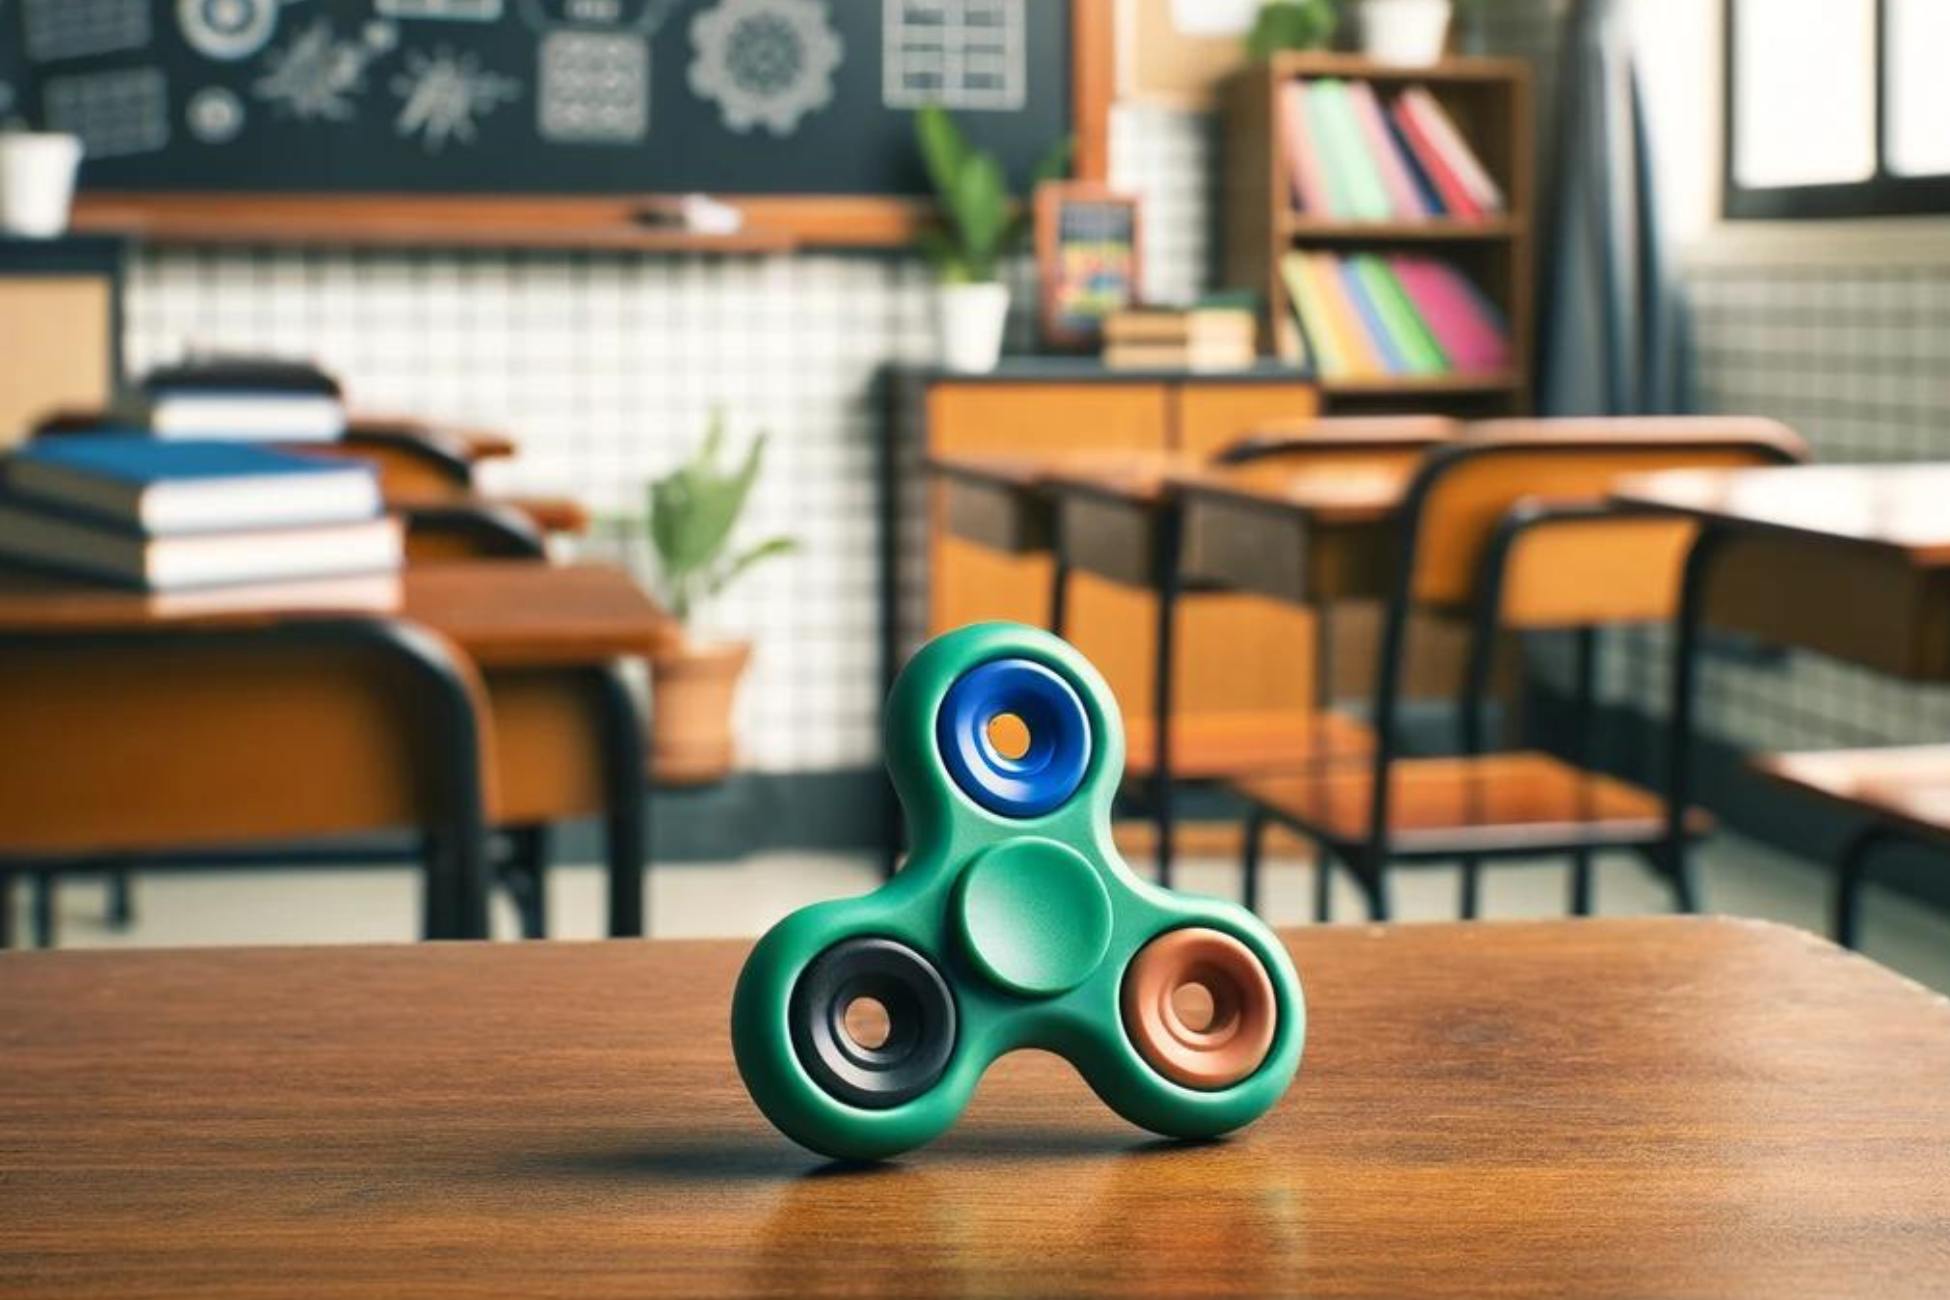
691, 694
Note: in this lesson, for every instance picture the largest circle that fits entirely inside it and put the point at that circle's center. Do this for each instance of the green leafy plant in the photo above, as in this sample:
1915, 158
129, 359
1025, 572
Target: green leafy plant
981, 220
693, 511
1293, 25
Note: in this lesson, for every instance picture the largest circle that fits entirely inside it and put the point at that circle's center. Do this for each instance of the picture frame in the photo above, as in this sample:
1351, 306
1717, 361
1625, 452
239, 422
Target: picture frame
1089, 260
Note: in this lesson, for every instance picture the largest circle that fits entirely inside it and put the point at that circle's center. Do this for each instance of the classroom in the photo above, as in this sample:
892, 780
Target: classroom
974, 647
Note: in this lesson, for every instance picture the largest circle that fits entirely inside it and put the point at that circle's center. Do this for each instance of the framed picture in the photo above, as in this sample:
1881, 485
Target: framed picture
1089, 254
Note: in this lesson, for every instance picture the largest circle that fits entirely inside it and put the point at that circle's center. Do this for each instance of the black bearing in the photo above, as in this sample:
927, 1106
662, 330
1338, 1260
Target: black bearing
920, 1022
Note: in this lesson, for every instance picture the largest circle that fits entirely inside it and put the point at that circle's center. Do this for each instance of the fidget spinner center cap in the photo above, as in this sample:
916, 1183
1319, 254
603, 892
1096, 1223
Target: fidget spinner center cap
1034, 916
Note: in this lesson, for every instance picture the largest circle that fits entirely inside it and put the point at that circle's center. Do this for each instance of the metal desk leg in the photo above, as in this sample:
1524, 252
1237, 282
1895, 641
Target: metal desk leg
45, 885
1679, 741
1585, 719
121, 899
1161, 695
626, 776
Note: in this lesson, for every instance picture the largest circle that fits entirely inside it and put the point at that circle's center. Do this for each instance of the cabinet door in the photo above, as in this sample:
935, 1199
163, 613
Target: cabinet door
1112, 625
59, 350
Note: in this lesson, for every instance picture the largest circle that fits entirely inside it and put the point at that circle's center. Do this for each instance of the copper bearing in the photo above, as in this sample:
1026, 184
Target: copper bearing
1245, 1011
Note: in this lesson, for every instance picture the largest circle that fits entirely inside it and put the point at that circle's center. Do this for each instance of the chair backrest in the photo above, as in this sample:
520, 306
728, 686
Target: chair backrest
469, 530
1571, 572
195, 737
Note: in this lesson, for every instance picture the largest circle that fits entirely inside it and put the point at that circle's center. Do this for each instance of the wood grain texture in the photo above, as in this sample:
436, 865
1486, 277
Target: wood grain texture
1908, 785
1896, 508
1642, 1107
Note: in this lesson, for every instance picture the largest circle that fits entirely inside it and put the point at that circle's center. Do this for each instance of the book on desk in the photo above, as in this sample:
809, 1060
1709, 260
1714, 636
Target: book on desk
244, 399
165, 516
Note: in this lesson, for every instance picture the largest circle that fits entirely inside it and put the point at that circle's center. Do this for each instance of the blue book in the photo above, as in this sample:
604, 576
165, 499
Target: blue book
1385, 346
1418, 177
163, 488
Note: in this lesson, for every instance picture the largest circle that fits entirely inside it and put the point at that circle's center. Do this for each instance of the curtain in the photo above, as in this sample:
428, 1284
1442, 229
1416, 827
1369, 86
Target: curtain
1613, 333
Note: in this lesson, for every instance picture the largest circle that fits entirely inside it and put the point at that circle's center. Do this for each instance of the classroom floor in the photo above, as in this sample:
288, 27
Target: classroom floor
377, 905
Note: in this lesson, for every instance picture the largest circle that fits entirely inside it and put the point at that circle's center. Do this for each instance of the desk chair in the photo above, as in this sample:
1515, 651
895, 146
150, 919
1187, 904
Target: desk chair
300, 729
1506, 528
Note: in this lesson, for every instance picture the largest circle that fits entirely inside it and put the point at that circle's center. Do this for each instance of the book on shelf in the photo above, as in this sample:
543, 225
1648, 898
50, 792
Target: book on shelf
1351, 157
1367, 317
241, 398
174, 516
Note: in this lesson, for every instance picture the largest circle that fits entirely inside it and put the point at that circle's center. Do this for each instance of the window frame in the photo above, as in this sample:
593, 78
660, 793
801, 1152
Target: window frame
1883, 194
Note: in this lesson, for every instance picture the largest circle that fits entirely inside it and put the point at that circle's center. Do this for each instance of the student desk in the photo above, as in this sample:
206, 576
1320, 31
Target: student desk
565, 733
1851, 561
1624, 1107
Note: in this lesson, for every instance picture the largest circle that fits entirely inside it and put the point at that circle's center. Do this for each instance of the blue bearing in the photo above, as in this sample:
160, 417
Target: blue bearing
1044, 777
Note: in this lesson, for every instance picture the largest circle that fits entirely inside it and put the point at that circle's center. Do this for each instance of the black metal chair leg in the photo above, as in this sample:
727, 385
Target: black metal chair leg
1254, 833
1848, 881
121, 899
1161, 697
1323, 886
6, 910
1679, 874
1472, 888
44, 887
525, 876
626, 775
1581, 883
1373, 876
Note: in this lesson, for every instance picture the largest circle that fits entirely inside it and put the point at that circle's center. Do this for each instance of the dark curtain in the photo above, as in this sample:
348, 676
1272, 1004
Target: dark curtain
1613, 332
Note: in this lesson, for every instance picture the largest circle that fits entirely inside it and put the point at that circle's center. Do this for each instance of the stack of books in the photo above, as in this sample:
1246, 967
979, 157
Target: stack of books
1366, 316
1354, 158
169, 516
1187, 338
243, 399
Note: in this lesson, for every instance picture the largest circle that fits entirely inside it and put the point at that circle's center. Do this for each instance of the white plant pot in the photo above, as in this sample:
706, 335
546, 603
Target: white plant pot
971, 319
37, 171
1410, 32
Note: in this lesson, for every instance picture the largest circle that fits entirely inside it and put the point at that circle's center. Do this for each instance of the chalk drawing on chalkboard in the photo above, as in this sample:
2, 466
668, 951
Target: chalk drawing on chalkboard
227, 29
445, 94
594, 88
116, 113
316, 76
965, 54
73, 29
644, 16
215, 115
469, 11
766, 62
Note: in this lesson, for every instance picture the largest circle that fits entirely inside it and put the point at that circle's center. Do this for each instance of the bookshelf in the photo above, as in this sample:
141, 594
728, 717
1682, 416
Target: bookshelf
1489, 101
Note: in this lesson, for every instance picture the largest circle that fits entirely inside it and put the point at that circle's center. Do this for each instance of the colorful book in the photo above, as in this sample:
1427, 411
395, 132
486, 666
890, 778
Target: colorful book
1419, 346
1470, 329
1363, 359
1393, 360
167, 488
1403, 197
1462, 160
34, 533
1347, 156
1456, 199
1329, 358
1303, 158
1431, 199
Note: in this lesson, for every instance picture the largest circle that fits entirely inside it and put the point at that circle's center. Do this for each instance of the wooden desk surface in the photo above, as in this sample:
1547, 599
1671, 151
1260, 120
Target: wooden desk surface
1638, 1107
1889, 507
1328, 493
502, 613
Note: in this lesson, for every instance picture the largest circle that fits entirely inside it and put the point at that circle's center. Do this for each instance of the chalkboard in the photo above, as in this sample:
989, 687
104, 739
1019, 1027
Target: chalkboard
536, 96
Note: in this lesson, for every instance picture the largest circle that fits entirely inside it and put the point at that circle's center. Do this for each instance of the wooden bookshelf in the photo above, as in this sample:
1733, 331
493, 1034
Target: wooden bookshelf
1489, 100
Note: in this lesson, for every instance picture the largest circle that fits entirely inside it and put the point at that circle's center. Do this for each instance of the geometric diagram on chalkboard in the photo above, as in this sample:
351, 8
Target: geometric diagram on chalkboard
766, 62
116, 113
227, 29
73, 29
644, 16
316, 76
446, 94
594, 88
215, 115
469, 11
966, 54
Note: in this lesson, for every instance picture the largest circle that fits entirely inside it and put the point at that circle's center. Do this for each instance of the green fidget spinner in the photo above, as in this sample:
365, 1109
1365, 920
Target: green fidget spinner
1014, 924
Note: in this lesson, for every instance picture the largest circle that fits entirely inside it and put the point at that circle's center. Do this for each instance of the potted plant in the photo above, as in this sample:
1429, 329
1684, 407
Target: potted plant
693, 512
1293, 25
1410, 32
981, 223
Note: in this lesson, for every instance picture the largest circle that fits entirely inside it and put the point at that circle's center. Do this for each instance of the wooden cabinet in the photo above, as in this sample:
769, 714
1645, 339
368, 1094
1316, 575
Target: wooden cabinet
1237, 653
58, 315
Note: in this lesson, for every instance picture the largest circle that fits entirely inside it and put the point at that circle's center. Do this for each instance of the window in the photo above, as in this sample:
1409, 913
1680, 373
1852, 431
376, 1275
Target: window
1837, 108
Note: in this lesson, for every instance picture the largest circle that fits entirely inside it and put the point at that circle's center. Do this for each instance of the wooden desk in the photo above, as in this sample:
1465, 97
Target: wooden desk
1622, 1107
565, 732
1851, 561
